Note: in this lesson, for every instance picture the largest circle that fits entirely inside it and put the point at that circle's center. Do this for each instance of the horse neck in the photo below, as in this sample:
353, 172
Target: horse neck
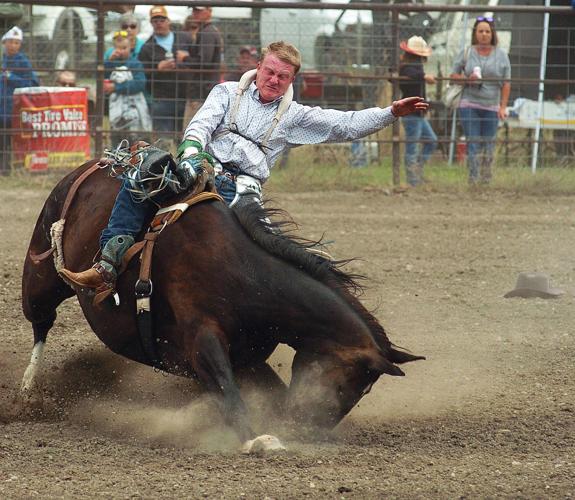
322, 314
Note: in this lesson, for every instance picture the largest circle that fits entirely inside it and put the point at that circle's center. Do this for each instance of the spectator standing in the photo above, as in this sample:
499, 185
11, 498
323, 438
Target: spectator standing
482, 70
16, 73
163, 83
131, 25
203, 56
125, 84
419, 134
247, 59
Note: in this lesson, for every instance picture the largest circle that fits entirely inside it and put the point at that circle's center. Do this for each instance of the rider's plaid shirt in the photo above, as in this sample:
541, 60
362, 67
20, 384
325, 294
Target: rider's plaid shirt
299, 125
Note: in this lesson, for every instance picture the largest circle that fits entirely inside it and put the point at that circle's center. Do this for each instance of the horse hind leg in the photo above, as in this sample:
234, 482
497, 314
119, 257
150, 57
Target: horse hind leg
213, 367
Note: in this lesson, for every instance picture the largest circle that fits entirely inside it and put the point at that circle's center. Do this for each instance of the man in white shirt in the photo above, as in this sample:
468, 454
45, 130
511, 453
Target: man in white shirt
243, 134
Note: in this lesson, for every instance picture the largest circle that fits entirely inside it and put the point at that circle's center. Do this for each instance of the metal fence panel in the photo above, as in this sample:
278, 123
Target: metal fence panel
350, 59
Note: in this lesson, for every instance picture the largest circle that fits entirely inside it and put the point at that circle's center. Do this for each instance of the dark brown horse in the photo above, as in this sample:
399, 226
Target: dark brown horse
228, 288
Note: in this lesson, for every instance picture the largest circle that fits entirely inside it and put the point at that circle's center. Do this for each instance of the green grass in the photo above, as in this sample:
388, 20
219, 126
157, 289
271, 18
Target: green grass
325, 169
305, 174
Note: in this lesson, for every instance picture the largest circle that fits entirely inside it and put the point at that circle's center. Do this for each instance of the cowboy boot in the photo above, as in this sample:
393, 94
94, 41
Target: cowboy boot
420, 173
412, 174
473, 167
103, 274
485, 169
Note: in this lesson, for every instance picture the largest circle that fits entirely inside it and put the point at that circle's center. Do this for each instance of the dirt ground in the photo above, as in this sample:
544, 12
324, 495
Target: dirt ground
489, 414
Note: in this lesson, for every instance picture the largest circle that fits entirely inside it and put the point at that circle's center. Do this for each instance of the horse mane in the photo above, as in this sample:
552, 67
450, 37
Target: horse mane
270, 228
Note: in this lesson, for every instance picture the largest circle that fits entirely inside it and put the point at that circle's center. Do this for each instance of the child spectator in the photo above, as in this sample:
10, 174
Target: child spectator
16, 73
125, 84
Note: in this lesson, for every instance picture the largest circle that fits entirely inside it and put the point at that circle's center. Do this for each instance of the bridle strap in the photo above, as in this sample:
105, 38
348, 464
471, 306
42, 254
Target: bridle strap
37, 258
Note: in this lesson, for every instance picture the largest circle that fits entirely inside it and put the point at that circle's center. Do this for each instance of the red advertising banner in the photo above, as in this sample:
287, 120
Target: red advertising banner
52, 127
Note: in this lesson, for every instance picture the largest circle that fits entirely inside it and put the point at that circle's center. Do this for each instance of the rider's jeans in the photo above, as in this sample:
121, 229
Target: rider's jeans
128, 216
226, 188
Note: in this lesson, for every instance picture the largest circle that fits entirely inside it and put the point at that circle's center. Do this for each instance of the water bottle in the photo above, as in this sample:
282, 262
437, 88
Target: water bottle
477, 71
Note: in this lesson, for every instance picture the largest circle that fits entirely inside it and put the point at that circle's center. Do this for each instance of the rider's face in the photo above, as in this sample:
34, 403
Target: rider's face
273, 77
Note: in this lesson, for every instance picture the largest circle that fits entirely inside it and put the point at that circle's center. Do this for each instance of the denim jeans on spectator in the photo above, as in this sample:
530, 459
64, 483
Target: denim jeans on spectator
480, 129
358, 155
5, 147
417, 130
167, 117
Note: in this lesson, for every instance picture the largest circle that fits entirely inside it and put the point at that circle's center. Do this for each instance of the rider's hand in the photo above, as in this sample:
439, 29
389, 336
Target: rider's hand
190, 164
408, 105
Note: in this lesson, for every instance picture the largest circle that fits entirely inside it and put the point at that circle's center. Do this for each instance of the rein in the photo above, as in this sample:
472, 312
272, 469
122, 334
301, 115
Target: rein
37, 258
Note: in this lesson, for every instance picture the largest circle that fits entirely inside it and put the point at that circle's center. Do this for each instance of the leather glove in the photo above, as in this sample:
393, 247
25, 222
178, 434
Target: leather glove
190, 164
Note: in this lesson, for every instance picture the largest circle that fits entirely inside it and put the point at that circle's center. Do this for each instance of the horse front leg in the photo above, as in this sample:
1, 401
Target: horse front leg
42, 292
211, 362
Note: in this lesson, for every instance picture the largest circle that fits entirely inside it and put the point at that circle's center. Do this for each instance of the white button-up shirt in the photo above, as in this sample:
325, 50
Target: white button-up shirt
299, 125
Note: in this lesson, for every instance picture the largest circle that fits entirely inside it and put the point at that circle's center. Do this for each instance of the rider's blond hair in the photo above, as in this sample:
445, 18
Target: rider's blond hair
285, 52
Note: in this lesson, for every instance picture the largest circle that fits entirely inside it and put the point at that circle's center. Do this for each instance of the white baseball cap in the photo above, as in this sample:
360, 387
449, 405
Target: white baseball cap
13, 33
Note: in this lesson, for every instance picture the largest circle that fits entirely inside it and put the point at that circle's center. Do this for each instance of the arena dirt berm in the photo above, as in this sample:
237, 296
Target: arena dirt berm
489, 414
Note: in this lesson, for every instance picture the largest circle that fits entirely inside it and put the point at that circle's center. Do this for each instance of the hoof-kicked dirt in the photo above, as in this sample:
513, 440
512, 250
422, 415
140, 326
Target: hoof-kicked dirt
491, 413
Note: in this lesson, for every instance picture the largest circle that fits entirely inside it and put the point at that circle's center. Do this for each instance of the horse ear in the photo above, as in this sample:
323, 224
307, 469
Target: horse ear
402, 356
377, 363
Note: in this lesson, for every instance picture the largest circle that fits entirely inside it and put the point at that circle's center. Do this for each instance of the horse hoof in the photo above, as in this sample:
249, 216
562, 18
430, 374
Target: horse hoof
263, 444
29, 402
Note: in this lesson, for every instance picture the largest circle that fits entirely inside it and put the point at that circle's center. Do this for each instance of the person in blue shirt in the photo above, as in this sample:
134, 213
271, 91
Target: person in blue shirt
125, 83
16, 73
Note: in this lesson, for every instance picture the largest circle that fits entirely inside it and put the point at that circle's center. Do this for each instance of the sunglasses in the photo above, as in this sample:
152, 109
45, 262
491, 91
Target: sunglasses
118, 34
159, 19
484, 19
129, 26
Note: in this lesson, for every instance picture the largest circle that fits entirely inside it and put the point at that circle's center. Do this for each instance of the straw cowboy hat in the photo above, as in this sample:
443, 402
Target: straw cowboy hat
416, 45
530, 285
